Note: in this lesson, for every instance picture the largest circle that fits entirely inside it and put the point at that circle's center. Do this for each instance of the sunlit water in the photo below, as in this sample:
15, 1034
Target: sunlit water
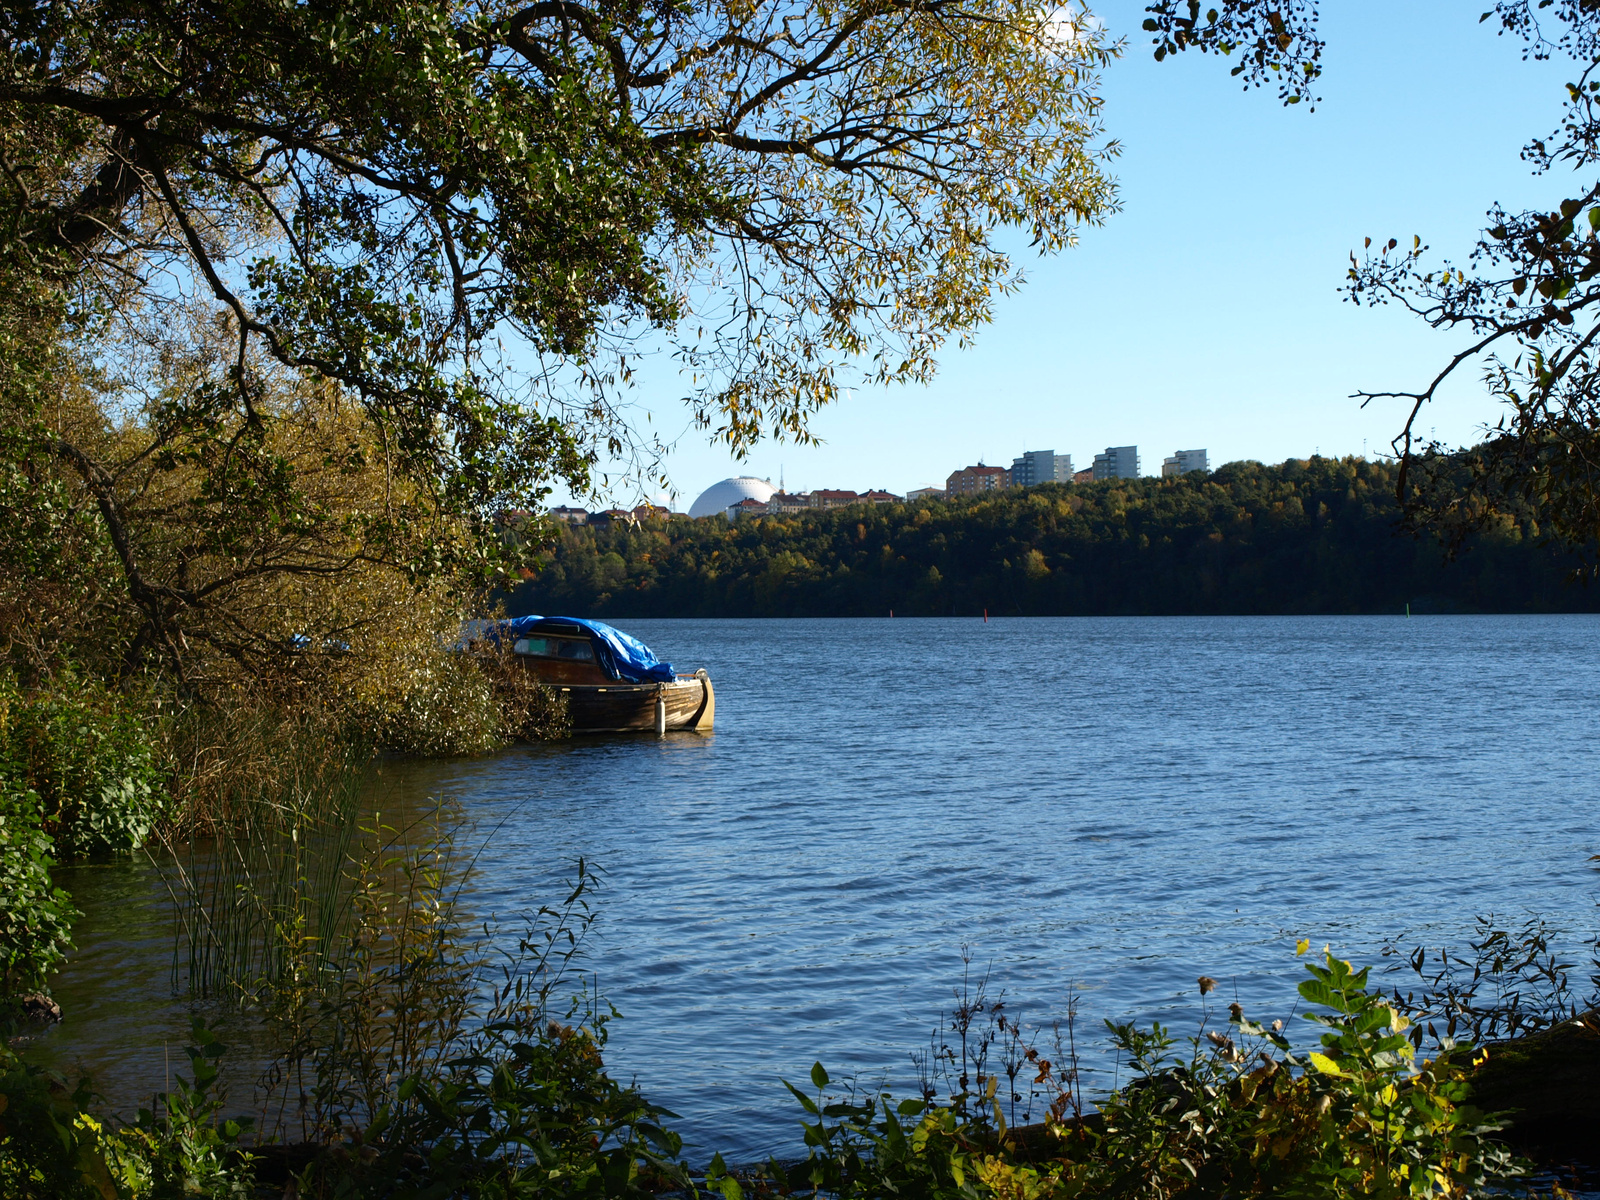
1114, 806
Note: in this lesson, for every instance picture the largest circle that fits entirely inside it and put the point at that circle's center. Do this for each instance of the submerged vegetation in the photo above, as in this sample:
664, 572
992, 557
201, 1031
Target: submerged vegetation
1313, 536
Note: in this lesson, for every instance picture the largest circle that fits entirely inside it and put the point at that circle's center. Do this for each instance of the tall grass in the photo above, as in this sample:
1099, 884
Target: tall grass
258, 857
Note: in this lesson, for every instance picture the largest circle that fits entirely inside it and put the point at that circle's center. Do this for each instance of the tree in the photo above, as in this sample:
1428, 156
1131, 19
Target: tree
1314, 536
463, 219
1528, 293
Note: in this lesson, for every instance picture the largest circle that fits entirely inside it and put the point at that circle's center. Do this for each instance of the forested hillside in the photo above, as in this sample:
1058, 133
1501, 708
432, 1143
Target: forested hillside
1315, 536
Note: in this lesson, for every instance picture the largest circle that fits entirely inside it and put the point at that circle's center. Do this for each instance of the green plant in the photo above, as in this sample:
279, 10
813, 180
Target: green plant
35, 915
525, 1109
266, 897
872, 1146
1240, 1114
1511, 984
1401, 1129
86, 751
49, 1147
430, 1068
183, 1146
53, 1148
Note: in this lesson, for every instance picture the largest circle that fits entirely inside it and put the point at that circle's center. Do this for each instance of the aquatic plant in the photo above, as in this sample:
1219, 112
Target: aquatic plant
429, 1063
415, 1060
259, 869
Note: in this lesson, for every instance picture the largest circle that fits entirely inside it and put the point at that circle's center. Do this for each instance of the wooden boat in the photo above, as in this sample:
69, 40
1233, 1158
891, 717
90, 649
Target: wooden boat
579, 661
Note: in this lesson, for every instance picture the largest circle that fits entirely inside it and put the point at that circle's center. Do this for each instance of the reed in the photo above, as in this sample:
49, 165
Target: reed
257, 860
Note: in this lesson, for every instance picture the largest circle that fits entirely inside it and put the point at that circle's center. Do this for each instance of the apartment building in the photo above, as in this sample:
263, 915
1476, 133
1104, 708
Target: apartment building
833, 498
1118, 462
1040, 466
1185, 461
785, 502
969, 481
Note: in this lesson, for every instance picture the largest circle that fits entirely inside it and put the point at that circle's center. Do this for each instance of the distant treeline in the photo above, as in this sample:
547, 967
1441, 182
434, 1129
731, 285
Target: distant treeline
1315, 536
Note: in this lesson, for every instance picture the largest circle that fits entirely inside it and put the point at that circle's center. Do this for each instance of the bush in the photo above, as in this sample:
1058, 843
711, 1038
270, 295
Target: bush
1240, 1115
83, 750
464, 703
35, 915
53, 1148
444, 705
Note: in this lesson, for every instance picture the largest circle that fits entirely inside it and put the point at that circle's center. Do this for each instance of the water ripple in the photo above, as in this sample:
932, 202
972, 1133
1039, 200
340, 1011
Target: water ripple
1114, 806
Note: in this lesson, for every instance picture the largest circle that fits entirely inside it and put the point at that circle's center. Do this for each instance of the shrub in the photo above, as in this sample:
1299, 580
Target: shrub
85, 751
443, 705
1240, 1115
53, 1148
464, 703
35, 915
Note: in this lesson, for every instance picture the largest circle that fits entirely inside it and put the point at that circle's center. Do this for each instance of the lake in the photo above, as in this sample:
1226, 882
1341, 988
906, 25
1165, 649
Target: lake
1112, 806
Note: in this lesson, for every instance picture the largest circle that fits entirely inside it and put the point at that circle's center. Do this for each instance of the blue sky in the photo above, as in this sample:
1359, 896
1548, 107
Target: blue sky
1207, 313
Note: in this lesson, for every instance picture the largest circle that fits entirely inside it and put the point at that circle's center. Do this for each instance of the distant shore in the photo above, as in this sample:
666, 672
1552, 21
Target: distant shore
1314, 536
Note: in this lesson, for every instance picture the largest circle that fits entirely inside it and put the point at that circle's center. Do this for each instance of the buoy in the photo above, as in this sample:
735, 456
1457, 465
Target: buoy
661, 713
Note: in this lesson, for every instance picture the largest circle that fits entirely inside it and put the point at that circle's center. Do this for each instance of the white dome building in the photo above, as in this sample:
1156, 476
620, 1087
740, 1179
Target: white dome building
720, 497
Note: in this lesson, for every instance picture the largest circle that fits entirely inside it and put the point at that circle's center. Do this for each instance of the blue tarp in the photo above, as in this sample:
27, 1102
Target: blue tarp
622, 657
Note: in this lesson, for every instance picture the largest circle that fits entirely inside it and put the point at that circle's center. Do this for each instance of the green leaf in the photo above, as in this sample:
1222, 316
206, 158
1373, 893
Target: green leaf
805, 1100
1319, 992
819, 1076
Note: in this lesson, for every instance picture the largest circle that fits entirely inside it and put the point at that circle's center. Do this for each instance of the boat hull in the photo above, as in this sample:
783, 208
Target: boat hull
688, 700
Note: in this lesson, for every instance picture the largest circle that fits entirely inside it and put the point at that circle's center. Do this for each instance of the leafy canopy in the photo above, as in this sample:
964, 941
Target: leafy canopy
253, 249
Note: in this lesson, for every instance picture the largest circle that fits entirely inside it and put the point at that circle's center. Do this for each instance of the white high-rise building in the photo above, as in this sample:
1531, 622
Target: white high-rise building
1041, 466
1118, 462
1185, 461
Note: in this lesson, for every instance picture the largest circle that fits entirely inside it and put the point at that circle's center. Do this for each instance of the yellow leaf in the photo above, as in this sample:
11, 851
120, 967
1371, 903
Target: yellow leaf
1302, 946
1325, 1064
